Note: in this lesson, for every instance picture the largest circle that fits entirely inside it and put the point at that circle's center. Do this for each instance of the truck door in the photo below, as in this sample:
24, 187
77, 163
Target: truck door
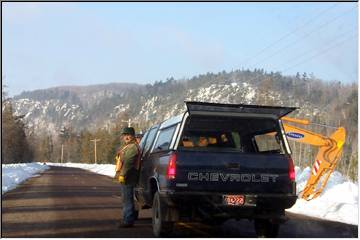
145, 164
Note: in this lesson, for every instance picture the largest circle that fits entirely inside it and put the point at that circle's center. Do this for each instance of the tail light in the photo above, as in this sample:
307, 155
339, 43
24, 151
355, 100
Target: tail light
291, 170
171, 169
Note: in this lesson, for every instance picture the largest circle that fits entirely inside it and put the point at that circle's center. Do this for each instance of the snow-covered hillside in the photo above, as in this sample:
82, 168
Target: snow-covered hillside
80, 108
338, 201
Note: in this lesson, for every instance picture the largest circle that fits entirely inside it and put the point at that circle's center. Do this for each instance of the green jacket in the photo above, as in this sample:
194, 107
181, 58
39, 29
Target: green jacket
129, 155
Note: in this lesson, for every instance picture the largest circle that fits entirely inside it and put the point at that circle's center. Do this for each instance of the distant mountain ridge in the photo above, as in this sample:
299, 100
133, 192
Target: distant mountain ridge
94, 106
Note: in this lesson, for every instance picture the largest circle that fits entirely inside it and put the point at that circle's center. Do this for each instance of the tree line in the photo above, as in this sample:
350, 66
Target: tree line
79, 147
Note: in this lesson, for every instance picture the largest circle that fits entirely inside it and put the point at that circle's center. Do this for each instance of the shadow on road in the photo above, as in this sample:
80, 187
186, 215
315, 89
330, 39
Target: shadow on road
63, 202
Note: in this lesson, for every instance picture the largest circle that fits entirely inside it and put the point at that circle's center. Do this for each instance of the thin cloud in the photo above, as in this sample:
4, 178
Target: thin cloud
22, 12
204, 52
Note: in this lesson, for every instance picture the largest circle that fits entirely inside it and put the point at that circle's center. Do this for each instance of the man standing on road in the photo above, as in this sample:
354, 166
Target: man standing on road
127, 168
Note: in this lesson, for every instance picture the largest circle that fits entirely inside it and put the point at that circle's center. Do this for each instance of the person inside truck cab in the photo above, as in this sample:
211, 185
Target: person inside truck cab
212, 142
203, 142
186, 142
226, 140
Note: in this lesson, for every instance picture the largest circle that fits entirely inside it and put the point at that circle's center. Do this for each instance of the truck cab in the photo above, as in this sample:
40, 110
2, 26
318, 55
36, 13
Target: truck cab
215, 162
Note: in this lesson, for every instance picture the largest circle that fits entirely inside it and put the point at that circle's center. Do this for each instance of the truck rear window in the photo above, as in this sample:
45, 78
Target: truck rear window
247, 135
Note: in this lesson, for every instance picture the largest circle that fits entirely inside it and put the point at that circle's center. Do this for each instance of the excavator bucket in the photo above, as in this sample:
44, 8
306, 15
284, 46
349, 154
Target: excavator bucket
339, 136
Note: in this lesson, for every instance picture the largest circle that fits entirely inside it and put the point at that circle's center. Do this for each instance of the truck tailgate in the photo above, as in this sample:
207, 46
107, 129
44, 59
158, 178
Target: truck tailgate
232, 172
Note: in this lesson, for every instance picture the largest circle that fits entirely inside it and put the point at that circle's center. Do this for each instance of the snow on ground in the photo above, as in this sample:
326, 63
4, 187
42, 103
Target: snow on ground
14, 174
103, 169
337, 202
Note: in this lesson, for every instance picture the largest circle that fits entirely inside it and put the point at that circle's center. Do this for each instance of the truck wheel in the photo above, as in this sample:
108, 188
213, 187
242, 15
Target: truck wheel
161, 228
265, 228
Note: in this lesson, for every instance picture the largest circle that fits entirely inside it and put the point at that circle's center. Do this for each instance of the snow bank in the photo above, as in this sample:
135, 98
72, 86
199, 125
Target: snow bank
337, 202
103, 169
14, 174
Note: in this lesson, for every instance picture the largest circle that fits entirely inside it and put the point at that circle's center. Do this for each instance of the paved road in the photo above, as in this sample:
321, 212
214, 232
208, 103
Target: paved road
70, 202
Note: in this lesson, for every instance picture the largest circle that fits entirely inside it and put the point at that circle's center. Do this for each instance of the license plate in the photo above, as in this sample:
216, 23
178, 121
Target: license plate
234, 200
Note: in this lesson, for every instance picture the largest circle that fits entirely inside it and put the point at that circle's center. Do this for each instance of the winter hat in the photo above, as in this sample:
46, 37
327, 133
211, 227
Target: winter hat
128, 130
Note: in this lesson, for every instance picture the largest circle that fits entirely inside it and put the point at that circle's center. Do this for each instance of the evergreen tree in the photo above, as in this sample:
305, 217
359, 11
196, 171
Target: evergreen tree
43, 148
86, 147
15, 147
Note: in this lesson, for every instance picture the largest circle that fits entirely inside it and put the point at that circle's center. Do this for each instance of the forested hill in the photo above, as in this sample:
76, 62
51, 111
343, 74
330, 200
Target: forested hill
101, 106
97, 106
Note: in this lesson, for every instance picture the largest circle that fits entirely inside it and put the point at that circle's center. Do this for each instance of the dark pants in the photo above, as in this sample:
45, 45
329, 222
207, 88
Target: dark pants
128, 204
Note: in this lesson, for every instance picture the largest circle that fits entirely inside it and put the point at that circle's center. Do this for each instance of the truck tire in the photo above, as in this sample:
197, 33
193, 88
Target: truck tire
265, 228
161, 228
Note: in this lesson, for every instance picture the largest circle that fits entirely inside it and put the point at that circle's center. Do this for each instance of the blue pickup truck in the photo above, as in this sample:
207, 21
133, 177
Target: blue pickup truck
215, 162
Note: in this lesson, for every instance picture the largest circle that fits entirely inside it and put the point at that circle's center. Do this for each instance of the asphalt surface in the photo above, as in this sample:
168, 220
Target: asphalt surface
71, 202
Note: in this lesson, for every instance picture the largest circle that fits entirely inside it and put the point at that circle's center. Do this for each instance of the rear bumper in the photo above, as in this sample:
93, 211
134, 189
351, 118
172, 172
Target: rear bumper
260, 201
200, 206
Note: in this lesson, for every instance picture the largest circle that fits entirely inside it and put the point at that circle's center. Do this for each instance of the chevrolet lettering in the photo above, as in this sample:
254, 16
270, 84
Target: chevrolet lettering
232, 177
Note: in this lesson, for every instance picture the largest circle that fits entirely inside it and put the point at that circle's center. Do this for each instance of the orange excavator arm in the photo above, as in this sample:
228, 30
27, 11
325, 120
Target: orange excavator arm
304, 136
330, 149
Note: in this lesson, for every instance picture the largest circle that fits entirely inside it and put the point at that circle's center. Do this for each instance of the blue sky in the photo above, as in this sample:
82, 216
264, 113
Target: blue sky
52, 44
